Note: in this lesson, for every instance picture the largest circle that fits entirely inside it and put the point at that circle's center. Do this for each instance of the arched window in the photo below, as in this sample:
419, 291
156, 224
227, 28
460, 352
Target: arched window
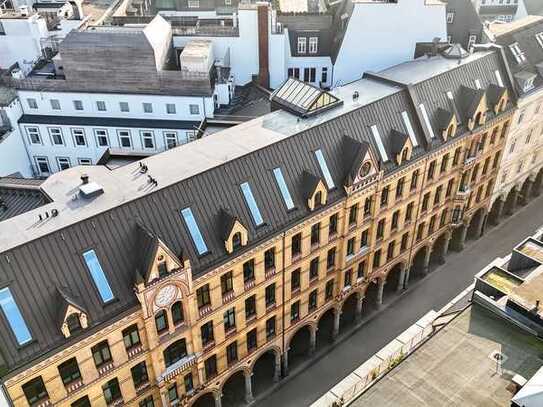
161, 321
176, 351
450, 131
478, 118
318, 199
501, 106
74, 325
236, 241
177, 313
405, 153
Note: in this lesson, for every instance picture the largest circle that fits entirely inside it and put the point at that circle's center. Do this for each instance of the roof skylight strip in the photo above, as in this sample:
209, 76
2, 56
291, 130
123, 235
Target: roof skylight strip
409, 128
427, 120
98, 276
498, 77
14, 317
324, 169
251, 203
287, 198
194, 231
379, 142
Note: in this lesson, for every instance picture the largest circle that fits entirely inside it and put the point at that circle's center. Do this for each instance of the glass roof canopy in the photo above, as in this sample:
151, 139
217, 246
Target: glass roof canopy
303, 99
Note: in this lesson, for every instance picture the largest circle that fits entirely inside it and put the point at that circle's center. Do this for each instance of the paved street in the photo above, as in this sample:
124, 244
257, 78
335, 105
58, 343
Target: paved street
433, 292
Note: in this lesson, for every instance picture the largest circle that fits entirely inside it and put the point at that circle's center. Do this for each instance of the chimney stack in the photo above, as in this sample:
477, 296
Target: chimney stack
85, 178
263, 51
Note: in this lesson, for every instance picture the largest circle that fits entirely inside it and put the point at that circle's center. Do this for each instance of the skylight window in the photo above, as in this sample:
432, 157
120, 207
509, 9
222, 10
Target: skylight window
14, 317
478, 84
251, 203
379, 142
97, 274
194, 231
324, 169
427, 120
539, 38
409, 128
283, 188
498, 77
518, 53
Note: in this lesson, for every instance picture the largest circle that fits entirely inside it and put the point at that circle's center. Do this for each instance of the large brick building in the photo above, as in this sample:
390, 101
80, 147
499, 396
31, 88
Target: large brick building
217, 265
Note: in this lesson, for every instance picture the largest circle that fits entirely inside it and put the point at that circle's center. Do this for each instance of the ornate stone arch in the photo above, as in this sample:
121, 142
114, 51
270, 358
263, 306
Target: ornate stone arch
243, 369
274, 348
310, 324
214, 392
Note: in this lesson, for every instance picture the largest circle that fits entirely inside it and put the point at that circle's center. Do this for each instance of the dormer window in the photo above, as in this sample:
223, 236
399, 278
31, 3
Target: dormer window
450, 131
162, 269
73, 317
74, 324
401, 146
314, 190
233, 233
318, 199
405, 154
236, 241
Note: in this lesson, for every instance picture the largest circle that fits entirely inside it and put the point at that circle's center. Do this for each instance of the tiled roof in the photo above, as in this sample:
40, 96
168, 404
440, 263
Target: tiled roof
19, 195
204, 175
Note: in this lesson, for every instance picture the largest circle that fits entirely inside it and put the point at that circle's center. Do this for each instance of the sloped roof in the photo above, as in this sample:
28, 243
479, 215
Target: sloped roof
65, 299
19, 195
225, 223
308, 184
443, 118
469, 100
398, 141
354, 152
204, 175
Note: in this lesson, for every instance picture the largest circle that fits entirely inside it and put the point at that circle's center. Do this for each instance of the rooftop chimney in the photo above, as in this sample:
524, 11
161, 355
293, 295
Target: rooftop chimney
84, 178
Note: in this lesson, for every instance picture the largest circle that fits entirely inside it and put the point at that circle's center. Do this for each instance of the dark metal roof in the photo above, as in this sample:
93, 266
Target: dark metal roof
19, 195
525, 36
108, 122
35, 268
466, 22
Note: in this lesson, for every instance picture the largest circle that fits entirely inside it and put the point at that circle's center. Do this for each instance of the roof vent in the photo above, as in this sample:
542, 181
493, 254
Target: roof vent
356, 95
90, 190
84, 179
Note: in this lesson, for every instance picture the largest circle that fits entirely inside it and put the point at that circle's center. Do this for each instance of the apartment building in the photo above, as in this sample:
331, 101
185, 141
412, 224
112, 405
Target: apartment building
118, 89
203, 274
521, 172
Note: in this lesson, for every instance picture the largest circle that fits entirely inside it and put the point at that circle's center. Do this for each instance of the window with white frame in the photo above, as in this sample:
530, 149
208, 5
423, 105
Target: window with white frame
79, 137
43, 165
450, 17
63, 163
55, 133
124, 106
32, 104
313, 45
170, 139
518, 53
101, 105
84, 161
125, 140
302, 44
147, 107
78, 105
148, 139
102, 139
194, 109
471, 41
539, 38
170, 108
55, 104
33, 135
227, 2
478, 84
194, 3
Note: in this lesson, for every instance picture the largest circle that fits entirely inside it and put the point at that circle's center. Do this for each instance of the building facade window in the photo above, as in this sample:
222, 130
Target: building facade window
313, 45
302, 43
194, 109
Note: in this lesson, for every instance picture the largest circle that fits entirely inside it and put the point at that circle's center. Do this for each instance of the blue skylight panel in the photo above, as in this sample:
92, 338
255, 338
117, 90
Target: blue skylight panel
283, 188
194, 231
427, 120
379, 142
409, 128
251, 203
98, 276
14, 317
324, 169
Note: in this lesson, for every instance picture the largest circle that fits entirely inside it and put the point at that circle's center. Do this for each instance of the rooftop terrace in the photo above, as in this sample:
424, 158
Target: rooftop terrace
458, 366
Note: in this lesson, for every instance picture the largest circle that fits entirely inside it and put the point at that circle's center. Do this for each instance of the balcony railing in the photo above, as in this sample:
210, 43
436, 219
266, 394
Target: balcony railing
178, 367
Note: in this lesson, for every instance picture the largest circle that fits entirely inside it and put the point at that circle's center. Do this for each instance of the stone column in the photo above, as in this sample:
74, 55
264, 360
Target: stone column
359, 305
528, 192
277, 371
248, 387
499, 210
444, 249
218, 401
380, 288
335, 331
426, 264
285, 363
538, 188
407, 274
312, 340
481, 225
462, 240
401, 279
513, 206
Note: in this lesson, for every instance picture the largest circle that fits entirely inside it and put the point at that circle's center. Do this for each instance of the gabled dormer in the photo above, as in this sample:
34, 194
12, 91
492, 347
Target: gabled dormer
314, 190
360, 163
156, 260
447, 123
233, 233
401, 147
497, 98
474, 103
72, 315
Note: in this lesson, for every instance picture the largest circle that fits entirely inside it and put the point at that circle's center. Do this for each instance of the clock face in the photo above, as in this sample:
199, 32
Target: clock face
365, 169
166, 295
